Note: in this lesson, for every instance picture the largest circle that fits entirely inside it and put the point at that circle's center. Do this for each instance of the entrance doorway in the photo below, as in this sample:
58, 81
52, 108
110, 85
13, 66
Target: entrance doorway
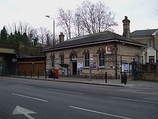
74, 64
74, 68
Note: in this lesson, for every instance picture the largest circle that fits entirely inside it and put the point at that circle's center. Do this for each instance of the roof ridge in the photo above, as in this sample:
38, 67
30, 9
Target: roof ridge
146, 29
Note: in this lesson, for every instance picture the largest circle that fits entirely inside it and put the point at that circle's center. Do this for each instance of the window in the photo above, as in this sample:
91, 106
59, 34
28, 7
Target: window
86, 60
151, 60
101, 59
150, 43
62, 59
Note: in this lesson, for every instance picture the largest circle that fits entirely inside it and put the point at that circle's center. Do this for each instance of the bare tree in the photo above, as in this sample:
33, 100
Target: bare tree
20, 27
32, 34
42, 34
96, 17
78, 28
88, 18
48, 37
65, 21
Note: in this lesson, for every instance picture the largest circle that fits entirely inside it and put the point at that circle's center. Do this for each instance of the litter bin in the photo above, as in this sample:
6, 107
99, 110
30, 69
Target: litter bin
124, 78
51, 74
56, 73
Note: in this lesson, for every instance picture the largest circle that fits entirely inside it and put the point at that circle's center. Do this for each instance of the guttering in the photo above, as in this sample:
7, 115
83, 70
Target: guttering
129, 42
98, 42
155, 33
80, 45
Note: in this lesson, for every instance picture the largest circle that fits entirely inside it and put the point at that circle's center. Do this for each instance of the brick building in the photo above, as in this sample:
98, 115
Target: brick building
95, 54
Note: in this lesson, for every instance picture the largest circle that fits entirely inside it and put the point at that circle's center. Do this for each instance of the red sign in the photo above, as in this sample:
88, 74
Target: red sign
108, 50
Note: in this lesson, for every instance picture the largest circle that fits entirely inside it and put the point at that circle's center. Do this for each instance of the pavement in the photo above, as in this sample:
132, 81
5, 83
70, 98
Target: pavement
112, 82
136, 84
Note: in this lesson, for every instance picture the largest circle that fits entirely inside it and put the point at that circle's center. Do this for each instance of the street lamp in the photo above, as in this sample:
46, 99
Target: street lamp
53, 30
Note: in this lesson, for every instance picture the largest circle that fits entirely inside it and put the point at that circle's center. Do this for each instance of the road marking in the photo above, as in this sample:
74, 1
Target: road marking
24, 111
97, 112
134, 100
65, 91
38, 99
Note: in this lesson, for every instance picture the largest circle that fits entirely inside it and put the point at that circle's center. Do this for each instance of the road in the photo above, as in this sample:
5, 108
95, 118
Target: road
36, 99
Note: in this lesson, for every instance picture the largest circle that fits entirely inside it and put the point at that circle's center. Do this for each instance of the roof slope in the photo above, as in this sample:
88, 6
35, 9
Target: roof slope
96, 38
147, 32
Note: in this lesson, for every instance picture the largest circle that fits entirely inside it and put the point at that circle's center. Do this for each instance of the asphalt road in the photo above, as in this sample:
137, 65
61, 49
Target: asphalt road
35, 99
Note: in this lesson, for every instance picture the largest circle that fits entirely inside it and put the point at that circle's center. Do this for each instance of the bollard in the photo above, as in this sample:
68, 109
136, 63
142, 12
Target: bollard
105, 77
46, 74
19, 74
125, 78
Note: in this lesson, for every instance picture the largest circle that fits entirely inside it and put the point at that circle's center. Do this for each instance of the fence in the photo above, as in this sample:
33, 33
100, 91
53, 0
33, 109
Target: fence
25, 74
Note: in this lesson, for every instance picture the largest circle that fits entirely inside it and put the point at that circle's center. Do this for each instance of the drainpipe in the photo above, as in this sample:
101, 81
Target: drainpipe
115, 48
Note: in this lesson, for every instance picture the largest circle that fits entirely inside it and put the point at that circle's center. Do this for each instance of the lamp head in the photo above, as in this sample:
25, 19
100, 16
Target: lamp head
48, 16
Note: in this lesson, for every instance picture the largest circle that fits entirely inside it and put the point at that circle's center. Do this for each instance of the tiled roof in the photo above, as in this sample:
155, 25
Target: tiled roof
92, 39
147, 32
107, 35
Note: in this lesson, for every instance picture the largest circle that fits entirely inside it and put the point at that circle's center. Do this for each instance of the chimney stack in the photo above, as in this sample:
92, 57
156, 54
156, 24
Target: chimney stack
126, 28
61, 37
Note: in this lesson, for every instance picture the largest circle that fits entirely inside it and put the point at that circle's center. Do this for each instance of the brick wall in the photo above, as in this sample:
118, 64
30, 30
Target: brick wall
127, 51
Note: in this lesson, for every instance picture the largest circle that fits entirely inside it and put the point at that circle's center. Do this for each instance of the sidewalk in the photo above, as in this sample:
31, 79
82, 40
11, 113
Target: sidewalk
113, 82
136, 84
110, 82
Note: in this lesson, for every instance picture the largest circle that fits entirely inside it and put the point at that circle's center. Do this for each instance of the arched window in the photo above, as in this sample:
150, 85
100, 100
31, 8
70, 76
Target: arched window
61, 57
101, 59
86, 59
86, 54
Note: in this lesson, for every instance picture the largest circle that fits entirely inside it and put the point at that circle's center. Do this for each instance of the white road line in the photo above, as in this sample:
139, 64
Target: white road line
134, 100
65, 91
97, 112
33, 98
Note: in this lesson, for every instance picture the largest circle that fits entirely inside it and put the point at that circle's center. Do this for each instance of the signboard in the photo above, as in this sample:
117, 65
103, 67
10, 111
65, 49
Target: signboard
79, 65
5, 50
93, 64
14, 60
91, 55
108, 50
126, 67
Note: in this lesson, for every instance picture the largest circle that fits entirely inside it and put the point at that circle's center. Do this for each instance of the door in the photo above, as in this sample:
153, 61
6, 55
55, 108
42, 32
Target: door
74, 68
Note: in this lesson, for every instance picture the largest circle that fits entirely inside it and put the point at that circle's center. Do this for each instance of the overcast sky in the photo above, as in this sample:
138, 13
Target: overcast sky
142, 13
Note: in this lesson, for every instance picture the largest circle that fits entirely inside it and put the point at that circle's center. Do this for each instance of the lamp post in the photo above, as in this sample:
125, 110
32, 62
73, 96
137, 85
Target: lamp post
53, 30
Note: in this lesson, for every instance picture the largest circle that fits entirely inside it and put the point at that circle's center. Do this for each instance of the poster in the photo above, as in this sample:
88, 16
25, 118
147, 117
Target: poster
94, 65
79, 67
